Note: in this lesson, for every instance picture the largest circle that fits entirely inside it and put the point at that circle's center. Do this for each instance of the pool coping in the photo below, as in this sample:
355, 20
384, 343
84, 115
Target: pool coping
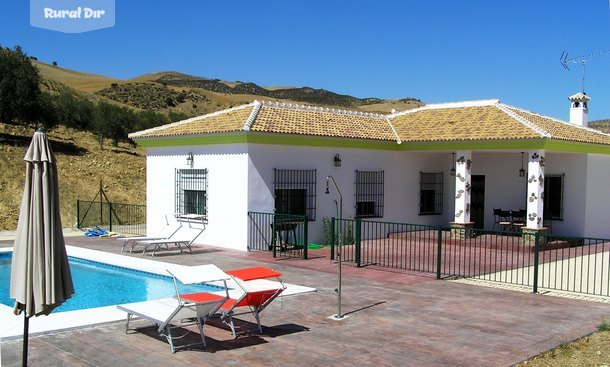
11, 325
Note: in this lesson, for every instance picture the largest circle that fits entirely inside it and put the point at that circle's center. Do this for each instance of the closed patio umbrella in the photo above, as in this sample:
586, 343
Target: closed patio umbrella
40, 274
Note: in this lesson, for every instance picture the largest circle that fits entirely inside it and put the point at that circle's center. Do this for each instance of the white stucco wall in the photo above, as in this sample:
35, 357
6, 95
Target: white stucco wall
574, 167
401, 177
597, 223
227, 167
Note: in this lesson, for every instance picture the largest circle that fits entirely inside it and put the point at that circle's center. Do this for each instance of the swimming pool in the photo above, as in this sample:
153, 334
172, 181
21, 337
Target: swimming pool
97, 284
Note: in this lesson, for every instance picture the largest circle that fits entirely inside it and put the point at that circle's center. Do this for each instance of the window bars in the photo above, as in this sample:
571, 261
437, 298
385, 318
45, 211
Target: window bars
191, 191
430, 193
369, 194
295, 192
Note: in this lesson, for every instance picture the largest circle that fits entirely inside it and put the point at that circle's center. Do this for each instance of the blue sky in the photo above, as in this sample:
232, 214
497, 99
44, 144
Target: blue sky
435, 50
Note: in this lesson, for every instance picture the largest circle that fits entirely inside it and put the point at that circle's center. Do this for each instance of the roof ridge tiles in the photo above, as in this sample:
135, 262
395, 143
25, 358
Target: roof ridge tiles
257, 107
558, 120
398, 140
530, 124
534, 113
304, 107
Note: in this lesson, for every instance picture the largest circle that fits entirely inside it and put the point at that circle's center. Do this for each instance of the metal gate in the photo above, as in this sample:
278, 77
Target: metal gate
284, 235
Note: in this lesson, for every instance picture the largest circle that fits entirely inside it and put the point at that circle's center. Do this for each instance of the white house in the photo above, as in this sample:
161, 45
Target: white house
438, 164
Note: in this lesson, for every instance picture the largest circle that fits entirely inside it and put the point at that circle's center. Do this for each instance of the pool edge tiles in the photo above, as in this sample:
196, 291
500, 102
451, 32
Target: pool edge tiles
141, 264
12, 325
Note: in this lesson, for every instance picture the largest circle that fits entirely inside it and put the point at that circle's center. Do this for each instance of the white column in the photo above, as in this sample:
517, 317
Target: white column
463, 163
535, 189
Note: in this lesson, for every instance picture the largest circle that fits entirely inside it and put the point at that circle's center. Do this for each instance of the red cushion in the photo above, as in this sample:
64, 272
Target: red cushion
201, 297
253, 299
257, 272
228, 305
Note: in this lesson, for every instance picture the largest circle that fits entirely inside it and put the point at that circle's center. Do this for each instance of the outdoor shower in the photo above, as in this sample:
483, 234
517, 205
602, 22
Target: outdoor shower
339, 315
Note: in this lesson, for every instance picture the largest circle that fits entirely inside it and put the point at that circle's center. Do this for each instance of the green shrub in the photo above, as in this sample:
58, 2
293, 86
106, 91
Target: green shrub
348, 237
327, 229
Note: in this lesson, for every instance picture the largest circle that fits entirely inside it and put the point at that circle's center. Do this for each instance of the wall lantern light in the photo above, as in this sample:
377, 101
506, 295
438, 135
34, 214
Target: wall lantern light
522, 171
452, 164
337, 161
190, 160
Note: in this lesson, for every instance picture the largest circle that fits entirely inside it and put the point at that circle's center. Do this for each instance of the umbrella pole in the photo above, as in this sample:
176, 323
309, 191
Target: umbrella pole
24, 355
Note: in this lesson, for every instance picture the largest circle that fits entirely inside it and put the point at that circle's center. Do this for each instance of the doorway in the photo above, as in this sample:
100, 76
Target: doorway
477, 201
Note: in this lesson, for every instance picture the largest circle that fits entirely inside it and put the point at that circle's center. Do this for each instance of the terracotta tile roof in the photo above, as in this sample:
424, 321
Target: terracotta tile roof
486, 120
274, 118
563, 130
230, 120
462, 121
270, 117
455, 123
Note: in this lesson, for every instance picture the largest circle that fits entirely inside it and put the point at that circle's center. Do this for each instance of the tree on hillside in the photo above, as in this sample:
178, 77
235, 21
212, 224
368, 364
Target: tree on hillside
113, 122
45, 112
20, 95
74, 112
148, 119
177, 116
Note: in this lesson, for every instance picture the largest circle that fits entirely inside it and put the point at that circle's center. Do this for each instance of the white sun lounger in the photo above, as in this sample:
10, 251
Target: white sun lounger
156, 245
176, 242
171, 313
166, 233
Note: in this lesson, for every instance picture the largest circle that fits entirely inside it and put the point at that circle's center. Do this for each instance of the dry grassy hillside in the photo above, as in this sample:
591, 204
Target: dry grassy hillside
601, 125
392, 104
81, 165
83, 82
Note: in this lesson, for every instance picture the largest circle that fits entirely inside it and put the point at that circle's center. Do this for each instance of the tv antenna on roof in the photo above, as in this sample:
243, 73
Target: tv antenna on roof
564, 60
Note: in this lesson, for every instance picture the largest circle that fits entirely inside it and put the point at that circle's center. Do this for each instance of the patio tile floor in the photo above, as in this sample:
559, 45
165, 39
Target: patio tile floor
394, 319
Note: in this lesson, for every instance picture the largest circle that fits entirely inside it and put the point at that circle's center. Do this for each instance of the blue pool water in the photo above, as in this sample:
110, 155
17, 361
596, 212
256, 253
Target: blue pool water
97, 284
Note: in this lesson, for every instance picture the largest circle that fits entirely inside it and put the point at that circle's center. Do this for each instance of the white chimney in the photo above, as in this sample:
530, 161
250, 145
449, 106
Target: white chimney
579, 110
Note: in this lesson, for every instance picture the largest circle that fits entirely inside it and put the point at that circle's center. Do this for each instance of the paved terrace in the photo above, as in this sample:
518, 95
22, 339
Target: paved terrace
394, 319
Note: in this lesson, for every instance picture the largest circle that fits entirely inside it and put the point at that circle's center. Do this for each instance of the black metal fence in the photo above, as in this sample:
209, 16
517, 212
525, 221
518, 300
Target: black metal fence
393, 245
285, 235
534, 260
117, 217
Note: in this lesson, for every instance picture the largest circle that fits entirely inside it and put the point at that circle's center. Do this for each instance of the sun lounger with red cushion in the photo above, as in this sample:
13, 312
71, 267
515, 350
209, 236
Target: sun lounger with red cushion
171, 313
258, 293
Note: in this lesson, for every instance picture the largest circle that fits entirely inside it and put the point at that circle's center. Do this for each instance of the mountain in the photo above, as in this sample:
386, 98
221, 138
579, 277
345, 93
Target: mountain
194, 95
304, 94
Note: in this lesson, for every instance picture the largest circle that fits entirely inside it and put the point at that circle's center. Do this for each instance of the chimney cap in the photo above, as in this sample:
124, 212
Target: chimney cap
580, 97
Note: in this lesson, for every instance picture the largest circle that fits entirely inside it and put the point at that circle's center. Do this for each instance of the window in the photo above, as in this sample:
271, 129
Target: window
430, 193
295, 192
553, 197
191, 191
290, 201
369, 194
